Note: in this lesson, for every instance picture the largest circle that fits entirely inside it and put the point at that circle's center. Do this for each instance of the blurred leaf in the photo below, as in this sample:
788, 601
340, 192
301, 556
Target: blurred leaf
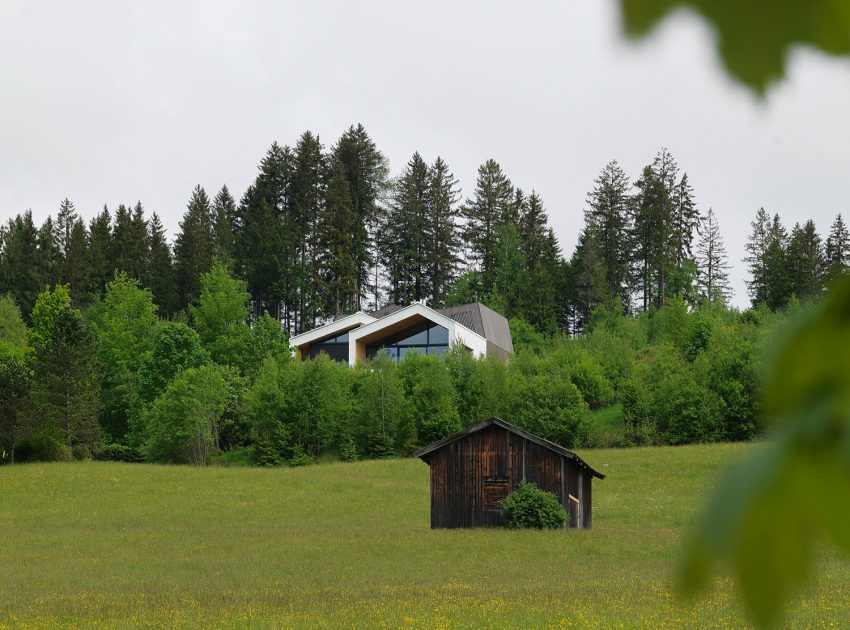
754, 38
768, 511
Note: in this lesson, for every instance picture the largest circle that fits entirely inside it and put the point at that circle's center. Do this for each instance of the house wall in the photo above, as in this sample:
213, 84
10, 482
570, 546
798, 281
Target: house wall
470, 475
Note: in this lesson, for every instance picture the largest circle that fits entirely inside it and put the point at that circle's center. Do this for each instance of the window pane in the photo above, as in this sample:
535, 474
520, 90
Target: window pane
417, 336
437, 350
438, 335
342, 338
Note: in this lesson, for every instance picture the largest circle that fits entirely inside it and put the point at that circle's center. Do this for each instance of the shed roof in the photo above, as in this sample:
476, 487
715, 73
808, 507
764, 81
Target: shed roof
424, 452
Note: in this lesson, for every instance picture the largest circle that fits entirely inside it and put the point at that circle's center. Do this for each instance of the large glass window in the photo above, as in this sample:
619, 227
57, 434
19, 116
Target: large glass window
424, 338
335, 347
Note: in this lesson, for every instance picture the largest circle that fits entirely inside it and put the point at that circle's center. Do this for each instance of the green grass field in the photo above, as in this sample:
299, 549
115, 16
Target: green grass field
349, 545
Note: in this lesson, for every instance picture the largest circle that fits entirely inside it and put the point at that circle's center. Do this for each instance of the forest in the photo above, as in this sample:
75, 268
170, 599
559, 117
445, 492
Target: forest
116, 343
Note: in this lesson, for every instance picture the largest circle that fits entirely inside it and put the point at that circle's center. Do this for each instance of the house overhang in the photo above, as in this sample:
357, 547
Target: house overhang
302, 342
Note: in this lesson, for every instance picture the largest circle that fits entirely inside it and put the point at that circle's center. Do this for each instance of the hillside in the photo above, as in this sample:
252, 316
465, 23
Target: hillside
349, 545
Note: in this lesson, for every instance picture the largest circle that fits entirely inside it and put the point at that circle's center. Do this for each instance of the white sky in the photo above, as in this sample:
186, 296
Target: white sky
113, 102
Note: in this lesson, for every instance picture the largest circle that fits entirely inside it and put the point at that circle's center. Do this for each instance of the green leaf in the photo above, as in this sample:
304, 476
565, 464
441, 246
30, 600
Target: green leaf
754, 38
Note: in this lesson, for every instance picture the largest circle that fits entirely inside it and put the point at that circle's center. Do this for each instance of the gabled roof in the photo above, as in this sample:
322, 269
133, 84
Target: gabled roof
560, 450
483, 320
340, 325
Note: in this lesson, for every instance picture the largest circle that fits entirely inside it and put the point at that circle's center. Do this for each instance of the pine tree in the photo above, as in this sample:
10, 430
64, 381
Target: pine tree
100, 263
837, 250
542, 266
442, 235
806, 261
484, 214
365, 169
586, 286
194, 247
756, 259
712, 263
685, 223
776, 268
48, 267
608, 218
159, 276
337, 254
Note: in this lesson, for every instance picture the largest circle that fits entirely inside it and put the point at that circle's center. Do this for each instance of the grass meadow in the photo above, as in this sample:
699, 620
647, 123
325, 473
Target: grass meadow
349, 545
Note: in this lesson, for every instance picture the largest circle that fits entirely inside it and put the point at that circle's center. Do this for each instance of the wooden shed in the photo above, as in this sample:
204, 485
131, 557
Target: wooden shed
475, 468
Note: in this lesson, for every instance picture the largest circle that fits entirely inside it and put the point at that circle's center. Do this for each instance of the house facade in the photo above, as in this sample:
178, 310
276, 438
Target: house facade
403, 330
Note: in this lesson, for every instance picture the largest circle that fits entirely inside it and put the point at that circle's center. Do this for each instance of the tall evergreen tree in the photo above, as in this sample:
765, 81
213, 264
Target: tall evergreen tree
608, 218
776, 269
712, 263
337, 253
685, 223
49, 270
308, 190
806, 261
224, 220
159, 275
194, 247
65, 220
75, 264
100, 263
586, 286
20, 269
65, 388
403, 238
484, 214
130, 241
365, 169
442, 244
837, 250
756, 259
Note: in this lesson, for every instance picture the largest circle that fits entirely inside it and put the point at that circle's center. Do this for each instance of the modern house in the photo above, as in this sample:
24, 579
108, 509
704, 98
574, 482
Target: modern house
471, 471
403, 329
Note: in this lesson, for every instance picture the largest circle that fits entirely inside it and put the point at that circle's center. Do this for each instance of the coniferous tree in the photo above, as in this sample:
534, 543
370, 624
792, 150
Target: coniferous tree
65, 388
757, 285
65, 220
100, 263
442, 234
20, 267
75, 264
608, 218
129, 241
403, 238
48, 254
159, 275
586, 287
541, 273
308, 190
484, 215
776, 269
805, 261
712, 263
194, 247
224, 219
685, 223
837, 250
337, 253
365, 169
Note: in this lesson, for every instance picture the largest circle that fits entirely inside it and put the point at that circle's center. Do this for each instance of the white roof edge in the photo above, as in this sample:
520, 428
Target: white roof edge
403, 313
331, 327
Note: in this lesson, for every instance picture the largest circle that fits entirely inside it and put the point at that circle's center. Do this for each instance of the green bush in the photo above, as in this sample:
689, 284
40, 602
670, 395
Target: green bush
529, 507
118, 453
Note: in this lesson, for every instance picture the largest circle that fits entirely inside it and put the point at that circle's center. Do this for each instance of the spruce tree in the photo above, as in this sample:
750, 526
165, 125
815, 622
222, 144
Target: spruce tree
337, 253
159, 275
365, 169
608, 218
49, 270
65, 220
20, 269
75, 264
685, 223
712, 263
805, 261
224, 219
194, 247
837, 250
756, 259
130, 241
542, 266
484, 214
778, 288
442, 244
100, 263
586, 286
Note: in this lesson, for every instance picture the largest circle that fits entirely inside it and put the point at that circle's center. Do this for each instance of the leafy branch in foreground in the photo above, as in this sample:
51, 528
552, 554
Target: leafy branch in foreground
769, 511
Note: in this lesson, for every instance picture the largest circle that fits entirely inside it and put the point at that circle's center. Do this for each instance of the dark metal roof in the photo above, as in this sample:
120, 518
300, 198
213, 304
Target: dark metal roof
484, 321
385, 310
424, 452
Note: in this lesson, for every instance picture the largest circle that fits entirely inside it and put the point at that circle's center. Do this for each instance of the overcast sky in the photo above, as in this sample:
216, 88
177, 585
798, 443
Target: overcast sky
113, 102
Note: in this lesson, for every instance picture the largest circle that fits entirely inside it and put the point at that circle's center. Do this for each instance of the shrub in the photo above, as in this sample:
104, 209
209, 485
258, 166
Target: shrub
118, 453
81, 452
529, 507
